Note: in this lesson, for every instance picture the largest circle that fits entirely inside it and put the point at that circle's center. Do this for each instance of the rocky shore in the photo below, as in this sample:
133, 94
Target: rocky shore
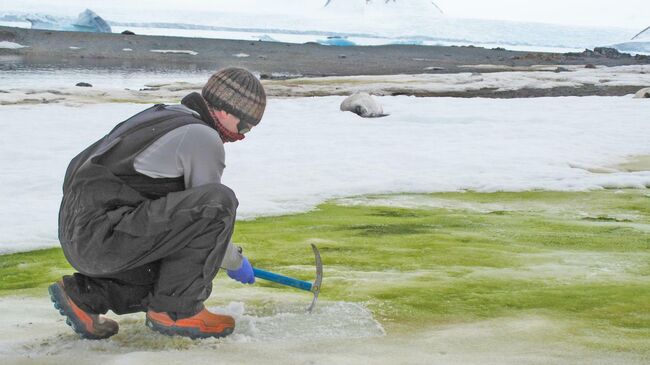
32, 49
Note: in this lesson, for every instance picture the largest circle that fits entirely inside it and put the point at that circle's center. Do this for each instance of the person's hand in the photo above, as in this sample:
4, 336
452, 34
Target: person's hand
244, 274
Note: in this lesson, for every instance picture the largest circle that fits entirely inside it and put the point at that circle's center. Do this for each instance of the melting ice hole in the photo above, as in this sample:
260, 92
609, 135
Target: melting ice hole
329, 320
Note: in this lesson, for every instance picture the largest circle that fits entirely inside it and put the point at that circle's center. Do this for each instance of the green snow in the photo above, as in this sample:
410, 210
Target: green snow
418, 261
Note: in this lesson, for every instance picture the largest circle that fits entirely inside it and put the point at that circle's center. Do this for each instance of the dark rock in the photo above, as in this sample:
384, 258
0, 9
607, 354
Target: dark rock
590, 65
128, 32
560, 69
343, 56
609, 52
7, 36
585, 53
83, 84
264, 77
499, 49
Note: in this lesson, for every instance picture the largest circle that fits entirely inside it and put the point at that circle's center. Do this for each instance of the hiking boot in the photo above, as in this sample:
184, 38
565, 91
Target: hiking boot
201, 325
88, 325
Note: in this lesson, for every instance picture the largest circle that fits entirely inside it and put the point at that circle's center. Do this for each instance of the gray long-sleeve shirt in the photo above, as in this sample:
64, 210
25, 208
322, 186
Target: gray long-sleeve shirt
195, 152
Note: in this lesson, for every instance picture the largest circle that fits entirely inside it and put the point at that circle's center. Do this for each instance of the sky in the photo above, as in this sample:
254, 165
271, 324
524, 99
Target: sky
621, 13
633, 14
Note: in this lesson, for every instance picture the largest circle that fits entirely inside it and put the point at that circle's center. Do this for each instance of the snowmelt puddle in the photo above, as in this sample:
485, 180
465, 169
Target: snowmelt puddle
281, 323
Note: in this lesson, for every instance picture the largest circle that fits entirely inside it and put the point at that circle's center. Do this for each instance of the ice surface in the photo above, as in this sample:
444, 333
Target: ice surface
284, 323
33, 332
425, 145
44, 333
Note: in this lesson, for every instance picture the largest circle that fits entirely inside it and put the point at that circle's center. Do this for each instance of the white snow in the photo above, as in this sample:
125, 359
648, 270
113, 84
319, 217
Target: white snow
306, 151
10, 45
241, 55
177, 51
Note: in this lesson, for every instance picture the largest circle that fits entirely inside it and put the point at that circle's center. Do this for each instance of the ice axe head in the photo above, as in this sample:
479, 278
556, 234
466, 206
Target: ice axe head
315, 287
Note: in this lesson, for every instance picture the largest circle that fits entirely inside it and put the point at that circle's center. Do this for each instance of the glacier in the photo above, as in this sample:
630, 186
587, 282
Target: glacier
358, 21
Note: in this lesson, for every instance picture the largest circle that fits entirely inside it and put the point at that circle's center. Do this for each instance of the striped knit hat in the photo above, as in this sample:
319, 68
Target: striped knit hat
237, 92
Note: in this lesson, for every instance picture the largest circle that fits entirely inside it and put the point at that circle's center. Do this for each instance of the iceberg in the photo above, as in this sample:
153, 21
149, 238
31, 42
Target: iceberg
87, 21
336, 41
640, 43
634, 47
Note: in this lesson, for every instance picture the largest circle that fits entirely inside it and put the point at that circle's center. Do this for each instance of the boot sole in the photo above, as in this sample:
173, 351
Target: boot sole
193, 333
58, 297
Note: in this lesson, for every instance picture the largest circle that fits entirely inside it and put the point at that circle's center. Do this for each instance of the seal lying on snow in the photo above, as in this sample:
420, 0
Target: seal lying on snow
643, 93
363, 105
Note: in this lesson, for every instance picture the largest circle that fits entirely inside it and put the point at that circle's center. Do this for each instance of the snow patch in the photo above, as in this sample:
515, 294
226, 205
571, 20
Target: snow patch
241, 55
34, 86
425, 145
10, 45
175, 51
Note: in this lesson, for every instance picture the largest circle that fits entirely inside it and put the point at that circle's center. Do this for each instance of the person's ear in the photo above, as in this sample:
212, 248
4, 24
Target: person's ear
221, 114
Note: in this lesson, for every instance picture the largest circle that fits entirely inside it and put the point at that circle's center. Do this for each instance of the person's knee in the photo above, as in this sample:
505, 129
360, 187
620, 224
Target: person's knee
219, 194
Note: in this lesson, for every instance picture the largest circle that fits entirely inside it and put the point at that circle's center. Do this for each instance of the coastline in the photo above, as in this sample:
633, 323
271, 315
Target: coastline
141, 52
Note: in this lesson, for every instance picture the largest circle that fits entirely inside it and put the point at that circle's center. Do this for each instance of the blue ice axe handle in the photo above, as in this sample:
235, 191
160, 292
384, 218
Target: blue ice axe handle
300, 284
281, 279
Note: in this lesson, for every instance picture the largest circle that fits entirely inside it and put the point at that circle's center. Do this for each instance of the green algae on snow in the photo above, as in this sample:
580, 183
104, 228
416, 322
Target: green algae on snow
422, 260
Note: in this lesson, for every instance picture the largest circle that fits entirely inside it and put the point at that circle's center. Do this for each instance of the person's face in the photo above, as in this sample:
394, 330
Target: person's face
232, 123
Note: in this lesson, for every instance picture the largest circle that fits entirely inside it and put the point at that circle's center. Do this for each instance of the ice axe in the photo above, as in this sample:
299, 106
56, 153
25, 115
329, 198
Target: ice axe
296, 283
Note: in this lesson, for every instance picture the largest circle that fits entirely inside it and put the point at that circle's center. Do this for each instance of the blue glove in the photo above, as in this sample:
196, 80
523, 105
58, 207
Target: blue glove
244, 274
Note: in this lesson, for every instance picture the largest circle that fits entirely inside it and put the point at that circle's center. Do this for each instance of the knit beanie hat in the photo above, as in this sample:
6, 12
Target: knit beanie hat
237, 92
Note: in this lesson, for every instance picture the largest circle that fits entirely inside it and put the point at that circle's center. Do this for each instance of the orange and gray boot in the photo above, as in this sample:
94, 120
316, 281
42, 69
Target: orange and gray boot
201, 325
88, 325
